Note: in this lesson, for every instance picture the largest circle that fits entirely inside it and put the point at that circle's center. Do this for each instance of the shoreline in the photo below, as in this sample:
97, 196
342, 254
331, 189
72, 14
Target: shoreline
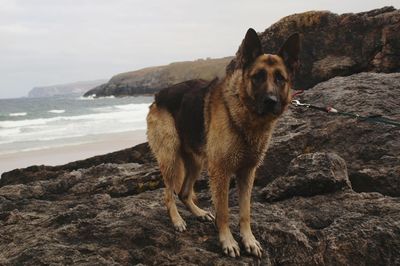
102, 144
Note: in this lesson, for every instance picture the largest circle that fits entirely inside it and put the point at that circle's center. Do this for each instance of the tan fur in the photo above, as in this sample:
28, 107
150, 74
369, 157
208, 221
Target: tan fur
164, 142
236, 142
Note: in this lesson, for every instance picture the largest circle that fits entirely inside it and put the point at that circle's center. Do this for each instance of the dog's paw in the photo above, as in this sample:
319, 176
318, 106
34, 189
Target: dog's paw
206, 217
180, 225
230, 246
252, 246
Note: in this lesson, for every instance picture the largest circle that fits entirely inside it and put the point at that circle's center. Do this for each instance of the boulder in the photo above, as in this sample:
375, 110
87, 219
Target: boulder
309, 175
338, 45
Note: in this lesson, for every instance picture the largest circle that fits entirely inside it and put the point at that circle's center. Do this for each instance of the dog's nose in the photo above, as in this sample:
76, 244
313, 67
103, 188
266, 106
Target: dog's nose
270, 100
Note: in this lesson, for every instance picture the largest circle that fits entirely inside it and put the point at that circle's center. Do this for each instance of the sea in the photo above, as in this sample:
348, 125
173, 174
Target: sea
28, 124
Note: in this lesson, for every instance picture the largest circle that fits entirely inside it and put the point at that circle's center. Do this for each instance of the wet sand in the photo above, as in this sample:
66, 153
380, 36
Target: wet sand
101, 144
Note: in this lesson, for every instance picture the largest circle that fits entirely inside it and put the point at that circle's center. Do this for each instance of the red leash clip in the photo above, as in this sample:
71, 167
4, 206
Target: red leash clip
330, 109
297, 92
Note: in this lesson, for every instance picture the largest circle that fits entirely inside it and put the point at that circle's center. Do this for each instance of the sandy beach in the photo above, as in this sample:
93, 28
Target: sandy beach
100, 144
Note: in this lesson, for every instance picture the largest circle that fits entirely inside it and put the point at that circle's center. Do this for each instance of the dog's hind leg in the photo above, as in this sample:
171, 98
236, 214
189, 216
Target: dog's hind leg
170, 170
193, 166
165, 145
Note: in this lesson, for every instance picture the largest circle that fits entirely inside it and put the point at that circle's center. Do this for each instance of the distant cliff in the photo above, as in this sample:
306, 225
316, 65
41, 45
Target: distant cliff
152, 79
78, 88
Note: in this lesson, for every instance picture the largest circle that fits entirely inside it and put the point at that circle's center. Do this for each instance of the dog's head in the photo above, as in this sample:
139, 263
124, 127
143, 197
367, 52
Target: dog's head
267, 77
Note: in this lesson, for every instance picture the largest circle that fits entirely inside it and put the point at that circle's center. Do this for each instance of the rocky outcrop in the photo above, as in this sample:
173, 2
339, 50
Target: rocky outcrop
113, 214
371, 150
138, 154
310, 201
76, 88
152, 79
338, 45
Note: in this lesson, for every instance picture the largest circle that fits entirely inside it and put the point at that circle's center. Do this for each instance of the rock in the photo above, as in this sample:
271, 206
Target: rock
338, 45
138, 154
309, 175
371, 150
152, 79
103, 216
343, 228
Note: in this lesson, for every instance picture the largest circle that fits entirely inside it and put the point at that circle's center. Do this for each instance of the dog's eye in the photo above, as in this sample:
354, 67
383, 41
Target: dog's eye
259, 77
279, 79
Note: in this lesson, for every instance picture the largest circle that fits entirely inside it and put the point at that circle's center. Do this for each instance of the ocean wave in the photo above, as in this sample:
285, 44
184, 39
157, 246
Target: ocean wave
18, 114
87, 98
9, 132
121, 107
93, 97
120, 118
55, 111
87, 117
103, 109
22, 123
131, 106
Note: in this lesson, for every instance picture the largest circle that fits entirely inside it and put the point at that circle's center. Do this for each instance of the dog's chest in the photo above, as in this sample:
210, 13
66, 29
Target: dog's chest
245, 153
253, 152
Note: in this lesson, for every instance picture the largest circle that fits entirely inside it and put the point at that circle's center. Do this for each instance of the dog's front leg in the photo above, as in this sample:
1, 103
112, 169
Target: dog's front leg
219, 185
245, 179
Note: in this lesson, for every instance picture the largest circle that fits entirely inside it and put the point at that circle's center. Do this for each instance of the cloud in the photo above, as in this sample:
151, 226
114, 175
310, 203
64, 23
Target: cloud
8, 6
17, 29
48, 41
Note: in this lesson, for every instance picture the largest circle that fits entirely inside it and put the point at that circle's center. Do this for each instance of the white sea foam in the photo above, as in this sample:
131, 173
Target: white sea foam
23, 123
90, 97
8, 132
103, 109
131, 106
124, 107
118, 118
55, 111
18, 114
93, 97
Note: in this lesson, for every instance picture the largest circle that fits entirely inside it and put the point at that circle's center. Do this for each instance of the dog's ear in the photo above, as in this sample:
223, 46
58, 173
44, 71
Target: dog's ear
290, 52
250, 49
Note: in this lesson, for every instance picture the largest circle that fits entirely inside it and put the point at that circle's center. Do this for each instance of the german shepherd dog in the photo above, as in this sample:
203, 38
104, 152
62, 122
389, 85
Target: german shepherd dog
225, 126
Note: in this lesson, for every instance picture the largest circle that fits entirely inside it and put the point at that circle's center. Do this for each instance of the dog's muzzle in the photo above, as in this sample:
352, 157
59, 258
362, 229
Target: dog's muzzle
269, 104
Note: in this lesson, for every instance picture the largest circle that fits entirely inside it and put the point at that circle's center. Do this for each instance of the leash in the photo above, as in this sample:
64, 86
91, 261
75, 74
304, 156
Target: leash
298, 92
331, 110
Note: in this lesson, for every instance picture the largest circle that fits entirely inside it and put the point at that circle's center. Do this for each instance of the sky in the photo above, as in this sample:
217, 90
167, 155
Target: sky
47, 42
